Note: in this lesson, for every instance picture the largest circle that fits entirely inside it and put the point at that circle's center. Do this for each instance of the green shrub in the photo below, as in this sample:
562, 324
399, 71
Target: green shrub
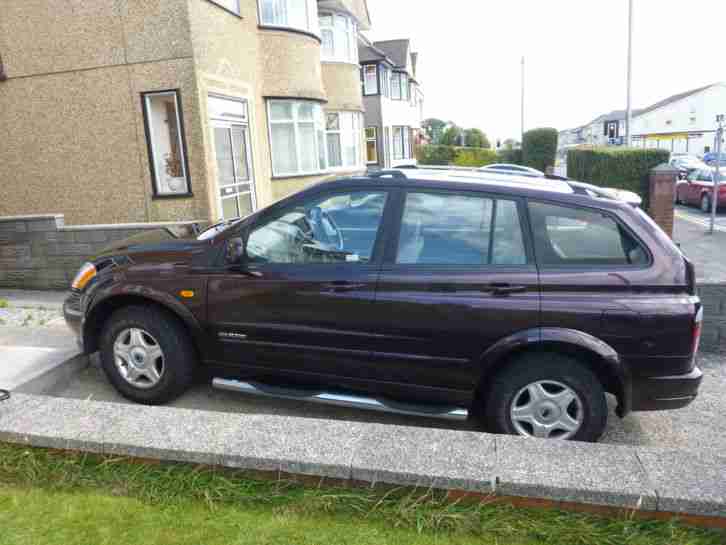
511, 156
622, 168
539, 148
475, 157
436, 155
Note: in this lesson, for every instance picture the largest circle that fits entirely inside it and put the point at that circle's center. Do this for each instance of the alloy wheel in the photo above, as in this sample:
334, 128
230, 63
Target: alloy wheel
138, 358
547, 409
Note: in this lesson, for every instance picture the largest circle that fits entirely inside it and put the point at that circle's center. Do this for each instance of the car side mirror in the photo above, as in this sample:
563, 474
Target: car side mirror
234, 251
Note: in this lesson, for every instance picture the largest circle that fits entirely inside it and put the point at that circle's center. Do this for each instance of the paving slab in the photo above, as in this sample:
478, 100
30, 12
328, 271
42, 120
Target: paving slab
425, 457
689, 482
573, 472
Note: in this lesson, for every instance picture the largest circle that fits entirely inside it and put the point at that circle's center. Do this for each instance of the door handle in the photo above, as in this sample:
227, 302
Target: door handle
505, 289
341, 286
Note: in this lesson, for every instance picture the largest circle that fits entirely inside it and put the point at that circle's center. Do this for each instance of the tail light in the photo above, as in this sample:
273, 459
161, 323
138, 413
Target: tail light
697, 326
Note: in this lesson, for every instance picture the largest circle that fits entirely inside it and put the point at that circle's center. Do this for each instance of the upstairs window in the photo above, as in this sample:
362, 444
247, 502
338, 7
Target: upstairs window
339, 34
396, 85
385, 80
370, 79
167, 150
294, 14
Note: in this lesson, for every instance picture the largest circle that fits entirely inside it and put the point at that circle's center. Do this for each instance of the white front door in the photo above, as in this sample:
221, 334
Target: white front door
233, 153
235, 181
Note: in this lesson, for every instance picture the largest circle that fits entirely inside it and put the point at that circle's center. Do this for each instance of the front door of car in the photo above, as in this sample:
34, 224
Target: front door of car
301, 300
458, 278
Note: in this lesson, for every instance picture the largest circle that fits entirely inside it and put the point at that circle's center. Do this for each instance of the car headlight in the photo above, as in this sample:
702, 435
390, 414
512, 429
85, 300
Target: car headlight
84, 276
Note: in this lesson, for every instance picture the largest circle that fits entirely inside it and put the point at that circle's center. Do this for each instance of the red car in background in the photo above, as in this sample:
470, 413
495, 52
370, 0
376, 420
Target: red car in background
697, 189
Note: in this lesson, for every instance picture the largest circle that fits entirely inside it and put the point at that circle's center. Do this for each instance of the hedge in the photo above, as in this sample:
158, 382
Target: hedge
511, 156
622, 168
475, 157
451, 155
539, 148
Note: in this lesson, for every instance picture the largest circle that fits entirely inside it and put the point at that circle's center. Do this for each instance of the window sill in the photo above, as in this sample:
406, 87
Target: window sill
162, 196
292, 30
294, 176
348, 63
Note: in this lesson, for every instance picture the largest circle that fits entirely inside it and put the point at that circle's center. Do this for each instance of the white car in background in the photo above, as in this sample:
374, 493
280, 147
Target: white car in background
518, 170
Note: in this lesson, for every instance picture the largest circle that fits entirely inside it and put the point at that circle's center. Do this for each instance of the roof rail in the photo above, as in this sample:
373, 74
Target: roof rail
392, 173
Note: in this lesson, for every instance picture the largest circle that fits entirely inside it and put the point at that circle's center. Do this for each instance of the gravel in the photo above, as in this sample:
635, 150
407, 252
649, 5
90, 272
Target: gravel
15, 316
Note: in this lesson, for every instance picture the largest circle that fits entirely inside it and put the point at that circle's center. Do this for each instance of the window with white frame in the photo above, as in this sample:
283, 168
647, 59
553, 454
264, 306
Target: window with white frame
343, 139
396, 86
339, 34
167, 151
370, 79
229, 5
296, 137
371, 145
385, 80
295, 14
401, 143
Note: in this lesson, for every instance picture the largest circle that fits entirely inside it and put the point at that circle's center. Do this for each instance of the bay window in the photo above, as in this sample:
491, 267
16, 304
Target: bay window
343, 139
385, 79
167, 148
396, 86
296, 137
294, 14
370, 79
402, 143
372, 145
339, 34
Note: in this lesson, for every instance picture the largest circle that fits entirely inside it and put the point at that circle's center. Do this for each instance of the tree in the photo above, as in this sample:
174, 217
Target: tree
474, 138
434, 129
451, 136
539, 148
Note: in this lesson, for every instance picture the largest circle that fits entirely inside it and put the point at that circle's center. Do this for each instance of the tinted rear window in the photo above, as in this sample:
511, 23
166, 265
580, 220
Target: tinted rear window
567, 236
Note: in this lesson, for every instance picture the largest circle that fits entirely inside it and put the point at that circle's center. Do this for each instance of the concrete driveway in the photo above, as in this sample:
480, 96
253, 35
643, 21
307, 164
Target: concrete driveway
701, 424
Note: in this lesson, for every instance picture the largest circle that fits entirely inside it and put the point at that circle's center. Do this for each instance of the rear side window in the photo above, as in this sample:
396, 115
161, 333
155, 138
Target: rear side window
460, 229
566, 235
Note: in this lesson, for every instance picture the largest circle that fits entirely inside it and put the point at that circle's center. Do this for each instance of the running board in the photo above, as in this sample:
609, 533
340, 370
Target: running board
341, 400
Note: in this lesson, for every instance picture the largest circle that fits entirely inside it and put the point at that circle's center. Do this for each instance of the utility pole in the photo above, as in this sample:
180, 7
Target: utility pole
628, 128
716, 175
522, 134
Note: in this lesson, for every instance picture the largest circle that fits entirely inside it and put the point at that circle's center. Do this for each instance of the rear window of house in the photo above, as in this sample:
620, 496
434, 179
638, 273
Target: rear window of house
570, 236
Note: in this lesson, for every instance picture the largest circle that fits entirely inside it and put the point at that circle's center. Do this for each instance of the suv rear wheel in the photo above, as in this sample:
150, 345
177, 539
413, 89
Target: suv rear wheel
147, 355
548, 396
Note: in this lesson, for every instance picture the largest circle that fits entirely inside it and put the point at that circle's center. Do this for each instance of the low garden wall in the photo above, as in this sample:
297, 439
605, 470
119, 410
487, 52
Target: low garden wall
41, 252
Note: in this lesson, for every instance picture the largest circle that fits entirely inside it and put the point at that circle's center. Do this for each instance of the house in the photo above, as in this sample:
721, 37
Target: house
682, 123
137, 111
393, 102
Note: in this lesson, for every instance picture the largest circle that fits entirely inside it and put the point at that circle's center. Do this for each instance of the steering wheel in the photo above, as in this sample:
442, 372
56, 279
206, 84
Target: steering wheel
324, 228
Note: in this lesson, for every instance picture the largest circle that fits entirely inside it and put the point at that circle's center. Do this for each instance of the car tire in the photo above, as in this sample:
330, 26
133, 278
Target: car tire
705, 203
147, 355
555, 377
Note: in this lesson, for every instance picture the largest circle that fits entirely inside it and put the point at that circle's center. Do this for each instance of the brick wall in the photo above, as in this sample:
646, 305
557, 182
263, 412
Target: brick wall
40, 252
662, 189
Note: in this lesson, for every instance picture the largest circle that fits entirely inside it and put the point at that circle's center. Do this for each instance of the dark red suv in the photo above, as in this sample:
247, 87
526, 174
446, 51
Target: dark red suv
520, 302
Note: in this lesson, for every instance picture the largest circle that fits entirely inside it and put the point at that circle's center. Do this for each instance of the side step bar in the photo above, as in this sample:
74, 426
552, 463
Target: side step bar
341, 400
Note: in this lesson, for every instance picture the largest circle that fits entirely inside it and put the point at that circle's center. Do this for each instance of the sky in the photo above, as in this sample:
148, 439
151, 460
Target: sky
575, 53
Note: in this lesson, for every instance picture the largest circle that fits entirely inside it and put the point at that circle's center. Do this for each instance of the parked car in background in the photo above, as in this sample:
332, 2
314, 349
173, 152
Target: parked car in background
686, 163
710, 159
518, 170
697, 189
518, 302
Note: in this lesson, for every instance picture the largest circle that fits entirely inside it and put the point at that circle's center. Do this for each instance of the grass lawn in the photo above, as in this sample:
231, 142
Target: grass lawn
72, 499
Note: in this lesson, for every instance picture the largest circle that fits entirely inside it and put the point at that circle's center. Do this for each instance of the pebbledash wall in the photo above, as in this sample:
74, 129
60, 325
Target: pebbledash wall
41, 252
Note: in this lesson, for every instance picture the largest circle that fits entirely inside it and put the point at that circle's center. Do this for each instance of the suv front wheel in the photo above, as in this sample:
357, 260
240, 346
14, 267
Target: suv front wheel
549, 396
147, 355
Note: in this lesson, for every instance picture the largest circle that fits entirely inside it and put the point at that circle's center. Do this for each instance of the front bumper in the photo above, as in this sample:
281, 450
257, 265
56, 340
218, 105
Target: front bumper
74, 315
664, 393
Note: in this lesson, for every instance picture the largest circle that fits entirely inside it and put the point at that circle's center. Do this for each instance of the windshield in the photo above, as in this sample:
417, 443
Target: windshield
214, 230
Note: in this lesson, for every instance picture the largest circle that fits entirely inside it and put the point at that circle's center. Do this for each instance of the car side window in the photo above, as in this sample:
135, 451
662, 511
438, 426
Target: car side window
565, 236
335, 228
459, 229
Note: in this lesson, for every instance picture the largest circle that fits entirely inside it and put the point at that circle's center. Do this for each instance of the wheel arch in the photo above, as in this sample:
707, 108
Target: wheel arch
597, 355
102, 309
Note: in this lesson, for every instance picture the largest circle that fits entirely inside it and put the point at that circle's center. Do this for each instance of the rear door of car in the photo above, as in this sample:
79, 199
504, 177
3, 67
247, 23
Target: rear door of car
590, 266
448, 289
